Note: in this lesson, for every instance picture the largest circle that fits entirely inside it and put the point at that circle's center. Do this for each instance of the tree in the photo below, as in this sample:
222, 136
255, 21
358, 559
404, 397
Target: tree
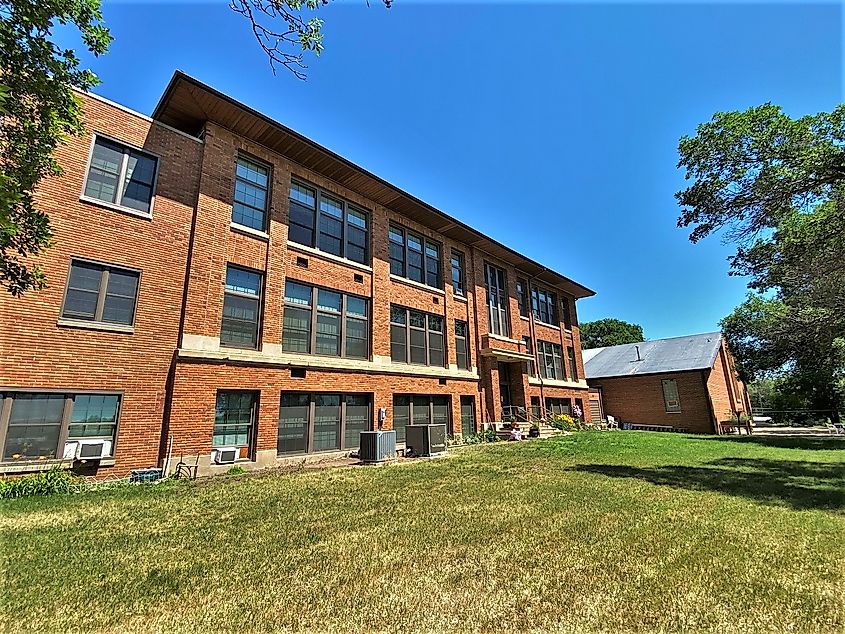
776, 186
609, 332
283, 31
41, 110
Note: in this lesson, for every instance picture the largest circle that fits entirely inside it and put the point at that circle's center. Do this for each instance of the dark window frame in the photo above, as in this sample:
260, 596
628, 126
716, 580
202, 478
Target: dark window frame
573, 363
101, 293
530, 366
429, 406
566, 313
346, 225
544, 305
426, 329
468, 401
556, 406
127, 149
547, 352
425, 258
496, 283
6, 402
343, 318
268, 191
458, 341
252, 426
310, 421
257, 298
522, 296
459, 284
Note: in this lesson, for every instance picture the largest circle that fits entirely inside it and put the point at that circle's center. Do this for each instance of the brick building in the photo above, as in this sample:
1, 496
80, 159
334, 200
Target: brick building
687, 383
219, 280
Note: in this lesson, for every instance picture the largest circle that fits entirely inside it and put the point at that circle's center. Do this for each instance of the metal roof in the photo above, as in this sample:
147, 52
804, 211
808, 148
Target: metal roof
187, 104
678, 354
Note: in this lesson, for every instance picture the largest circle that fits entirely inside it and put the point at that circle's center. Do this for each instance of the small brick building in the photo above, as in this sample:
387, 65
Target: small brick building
220, 281
686, 383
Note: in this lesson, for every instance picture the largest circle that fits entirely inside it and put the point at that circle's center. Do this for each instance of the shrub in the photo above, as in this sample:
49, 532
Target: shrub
236, 471
50, 482
566, 422
488, 435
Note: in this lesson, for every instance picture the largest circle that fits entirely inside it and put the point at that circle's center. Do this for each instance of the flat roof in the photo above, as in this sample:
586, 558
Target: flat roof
188, 103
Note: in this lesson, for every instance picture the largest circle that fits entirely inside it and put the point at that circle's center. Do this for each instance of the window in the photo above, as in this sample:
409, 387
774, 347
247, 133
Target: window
121, 176
327, 223
101, 293
567, 315
521, 297
419, 410
671, 399
573, 365
234, 419
241, 308
529, 365
543, 304
557, 406
414, 257
461, 350
324, 322
549, 356
467, 415
249, 207
535, 407
38, 425
322, 422
416, 337
497, 299
458, 283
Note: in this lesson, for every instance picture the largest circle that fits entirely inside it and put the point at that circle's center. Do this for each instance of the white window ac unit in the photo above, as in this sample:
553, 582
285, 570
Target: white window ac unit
226, 455
92, 449
70, 450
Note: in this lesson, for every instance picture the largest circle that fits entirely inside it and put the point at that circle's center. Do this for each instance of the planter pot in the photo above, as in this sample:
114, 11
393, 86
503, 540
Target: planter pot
534, 433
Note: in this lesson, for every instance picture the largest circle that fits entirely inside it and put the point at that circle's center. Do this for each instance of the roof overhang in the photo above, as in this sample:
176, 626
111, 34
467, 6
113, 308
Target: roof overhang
187, 104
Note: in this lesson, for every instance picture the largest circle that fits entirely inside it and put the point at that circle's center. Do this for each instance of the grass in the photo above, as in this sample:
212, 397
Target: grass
591, 532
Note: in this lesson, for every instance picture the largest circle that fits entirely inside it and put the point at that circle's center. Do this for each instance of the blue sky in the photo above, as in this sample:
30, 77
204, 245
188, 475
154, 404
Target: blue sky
552, 127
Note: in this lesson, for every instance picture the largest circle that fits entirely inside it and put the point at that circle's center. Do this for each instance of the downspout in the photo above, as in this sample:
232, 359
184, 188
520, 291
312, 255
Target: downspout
532, 332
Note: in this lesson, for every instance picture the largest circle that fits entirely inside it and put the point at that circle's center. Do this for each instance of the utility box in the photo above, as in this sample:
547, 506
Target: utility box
426, 440
377, 446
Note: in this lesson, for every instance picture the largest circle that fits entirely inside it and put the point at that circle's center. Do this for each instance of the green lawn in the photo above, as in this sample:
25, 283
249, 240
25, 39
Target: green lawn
607, 532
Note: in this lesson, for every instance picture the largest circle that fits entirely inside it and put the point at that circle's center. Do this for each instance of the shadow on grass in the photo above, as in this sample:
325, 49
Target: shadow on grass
798, 484
784, 442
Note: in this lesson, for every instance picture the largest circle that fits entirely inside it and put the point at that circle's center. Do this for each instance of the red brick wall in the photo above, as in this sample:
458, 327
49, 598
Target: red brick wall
727, 392
639, 399
38, 354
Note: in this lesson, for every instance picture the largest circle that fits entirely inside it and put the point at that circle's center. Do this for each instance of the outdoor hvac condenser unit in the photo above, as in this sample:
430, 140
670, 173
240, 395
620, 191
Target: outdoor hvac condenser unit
377, 446
426, 440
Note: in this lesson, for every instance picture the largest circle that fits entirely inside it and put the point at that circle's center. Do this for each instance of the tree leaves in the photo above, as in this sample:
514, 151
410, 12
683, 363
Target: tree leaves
41, 111
609, 332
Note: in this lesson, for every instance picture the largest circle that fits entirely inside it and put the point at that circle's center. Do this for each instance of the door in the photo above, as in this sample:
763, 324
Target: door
505, 389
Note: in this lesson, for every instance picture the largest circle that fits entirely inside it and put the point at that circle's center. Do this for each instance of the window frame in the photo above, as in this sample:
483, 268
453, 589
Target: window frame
259, 313
346, 207
425, 242
549, 302
430, 407
343, 317
500, 292
121, 177
467, 400
459, 285
252, 425
566, 313
522, 296
426, 329
268, 191
573, 363
465, 340
310, 420
7, 397
671, 409
530, 366
548, 350
101, 294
